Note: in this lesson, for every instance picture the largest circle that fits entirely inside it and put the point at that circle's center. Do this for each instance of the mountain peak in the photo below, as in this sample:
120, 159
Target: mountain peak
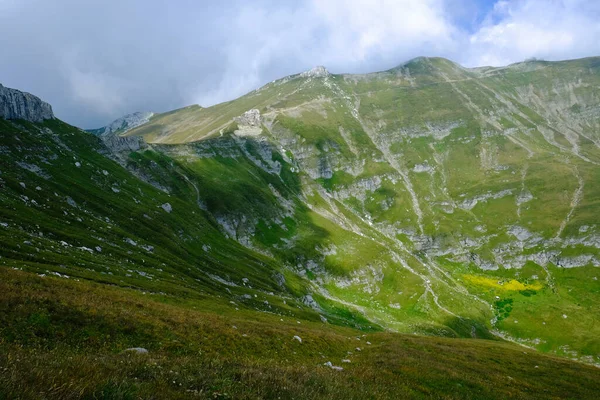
316, 72
124, 124
428, 63
15, 104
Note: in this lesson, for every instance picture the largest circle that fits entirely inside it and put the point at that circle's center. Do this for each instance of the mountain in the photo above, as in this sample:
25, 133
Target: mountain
445, 193
323, 236
15, 104
123, 124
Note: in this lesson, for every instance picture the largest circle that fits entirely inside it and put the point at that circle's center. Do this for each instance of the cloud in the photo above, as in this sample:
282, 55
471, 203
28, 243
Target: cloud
95, 90
344, 35
358, 30
98, 59
545, 29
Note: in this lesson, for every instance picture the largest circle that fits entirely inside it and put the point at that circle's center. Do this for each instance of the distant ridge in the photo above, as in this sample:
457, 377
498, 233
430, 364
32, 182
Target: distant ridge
123, 124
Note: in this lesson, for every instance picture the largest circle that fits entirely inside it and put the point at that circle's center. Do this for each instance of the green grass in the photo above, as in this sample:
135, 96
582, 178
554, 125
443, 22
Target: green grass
260, 222
65, 339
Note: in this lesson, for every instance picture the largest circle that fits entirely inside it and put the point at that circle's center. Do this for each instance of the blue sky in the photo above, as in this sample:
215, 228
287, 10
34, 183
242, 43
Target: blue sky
96, 60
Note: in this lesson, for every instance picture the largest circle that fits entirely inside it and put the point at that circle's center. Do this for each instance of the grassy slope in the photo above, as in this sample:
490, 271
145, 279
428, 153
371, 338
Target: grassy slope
328, 237
65, 323
113, 228
65, 339
528, 128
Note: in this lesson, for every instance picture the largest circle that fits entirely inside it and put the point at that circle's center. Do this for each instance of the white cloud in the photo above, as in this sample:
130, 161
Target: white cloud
343, 35
357, 30
545, 29
134, 55
100, 92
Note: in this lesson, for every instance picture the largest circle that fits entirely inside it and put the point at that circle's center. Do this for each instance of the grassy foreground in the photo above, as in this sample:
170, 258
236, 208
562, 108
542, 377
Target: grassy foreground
65, 339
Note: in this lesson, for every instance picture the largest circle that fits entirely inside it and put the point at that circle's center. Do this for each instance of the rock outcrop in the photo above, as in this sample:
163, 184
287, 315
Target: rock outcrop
119, 144
249, 123
317, 72
112, 137
15, 104
123, 124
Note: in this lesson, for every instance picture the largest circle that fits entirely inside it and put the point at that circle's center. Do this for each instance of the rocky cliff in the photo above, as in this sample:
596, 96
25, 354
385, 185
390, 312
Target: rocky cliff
15, 104
123, 124
111, 134
118, 144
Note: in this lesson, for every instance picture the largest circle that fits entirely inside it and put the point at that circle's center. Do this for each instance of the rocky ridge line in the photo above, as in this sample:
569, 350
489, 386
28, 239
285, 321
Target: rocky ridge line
15, 104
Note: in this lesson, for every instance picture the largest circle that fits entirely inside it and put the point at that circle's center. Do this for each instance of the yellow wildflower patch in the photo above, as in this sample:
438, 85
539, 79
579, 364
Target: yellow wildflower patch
497, 283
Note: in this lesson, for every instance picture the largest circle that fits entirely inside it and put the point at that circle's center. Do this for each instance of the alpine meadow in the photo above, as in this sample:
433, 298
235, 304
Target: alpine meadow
428, 231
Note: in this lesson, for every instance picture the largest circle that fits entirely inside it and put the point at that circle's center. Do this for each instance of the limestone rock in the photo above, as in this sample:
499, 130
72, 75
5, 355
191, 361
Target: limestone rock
119, 144
317, 72
137, 350
15, 104
249, 123
123, 124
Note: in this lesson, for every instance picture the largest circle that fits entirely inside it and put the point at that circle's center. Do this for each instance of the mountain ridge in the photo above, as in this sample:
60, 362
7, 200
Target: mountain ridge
447, 167
123, 124
428, 59
320, 231
446, 77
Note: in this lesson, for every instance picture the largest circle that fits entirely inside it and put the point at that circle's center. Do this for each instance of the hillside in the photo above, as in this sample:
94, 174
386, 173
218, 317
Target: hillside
439, 219
65, 340
446, 193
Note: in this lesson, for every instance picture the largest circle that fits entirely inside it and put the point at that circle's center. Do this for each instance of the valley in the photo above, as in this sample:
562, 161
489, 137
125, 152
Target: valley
445, 215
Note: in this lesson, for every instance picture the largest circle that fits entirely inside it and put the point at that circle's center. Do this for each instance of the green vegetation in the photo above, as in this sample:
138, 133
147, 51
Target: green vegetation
442, 203
501, 181
65, 339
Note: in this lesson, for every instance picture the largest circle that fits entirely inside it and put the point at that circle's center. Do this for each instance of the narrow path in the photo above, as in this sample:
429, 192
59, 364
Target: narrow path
337, 216
523, 176
577, 196
198, 199
520, 143
426, 282
549, 279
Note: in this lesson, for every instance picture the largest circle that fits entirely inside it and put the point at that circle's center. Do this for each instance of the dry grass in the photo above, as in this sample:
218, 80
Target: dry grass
64, 340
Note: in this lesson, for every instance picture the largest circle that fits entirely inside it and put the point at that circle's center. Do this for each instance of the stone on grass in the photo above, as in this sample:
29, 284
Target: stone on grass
137, 350
334, 367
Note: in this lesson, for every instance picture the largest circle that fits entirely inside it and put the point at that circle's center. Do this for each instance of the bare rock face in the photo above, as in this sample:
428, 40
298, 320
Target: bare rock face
249, 118
123, 124
316, 72
249, 123
119, 144
15, 104
111, 134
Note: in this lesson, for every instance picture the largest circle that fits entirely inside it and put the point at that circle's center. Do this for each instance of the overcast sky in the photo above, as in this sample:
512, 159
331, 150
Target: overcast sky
96, 60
